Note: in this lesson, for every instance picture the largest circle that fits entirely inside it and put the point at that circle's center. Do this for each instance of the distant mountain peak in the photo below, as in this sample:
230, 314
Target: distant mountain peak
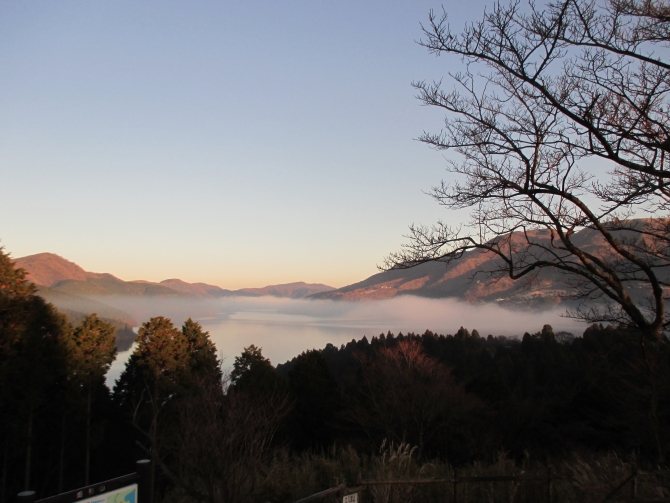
46, 269
297, 290
198, 289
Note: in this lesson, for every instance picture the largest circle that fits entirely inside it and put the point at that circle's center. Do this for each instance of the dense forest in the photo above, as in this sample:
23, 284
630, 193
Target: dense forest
215, 436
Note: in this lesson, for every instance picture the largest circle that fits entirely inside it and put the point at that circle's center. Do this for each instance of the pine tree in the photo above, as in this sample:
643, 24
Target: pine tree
93, 349
166, 365
33, 358
252, 372
204, 363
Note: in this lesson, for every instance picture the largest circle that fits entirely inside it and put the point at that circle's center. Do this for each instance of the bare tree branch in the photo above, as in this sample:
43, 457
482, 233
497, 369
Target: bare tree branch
545, 92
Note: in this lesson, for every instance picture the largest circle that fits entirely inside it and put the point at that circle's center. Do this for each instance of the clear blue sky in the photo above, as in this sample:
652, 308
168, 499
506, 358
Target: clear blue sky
235, 143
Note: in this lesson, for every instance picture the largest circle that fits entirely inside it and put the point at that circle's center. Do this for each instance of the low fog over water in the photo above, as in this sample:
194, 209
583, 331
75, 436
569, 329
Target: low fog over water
284, 328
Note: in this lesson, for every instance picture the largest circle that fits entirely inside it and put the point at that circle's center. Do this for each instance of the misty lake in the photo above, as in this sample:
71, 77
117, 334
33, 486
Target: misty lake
284, 328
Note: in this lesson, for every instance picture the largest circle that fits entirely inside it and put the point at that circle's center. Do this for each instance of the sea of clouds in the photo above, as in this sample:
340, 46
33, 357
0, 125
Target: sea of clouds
284, 328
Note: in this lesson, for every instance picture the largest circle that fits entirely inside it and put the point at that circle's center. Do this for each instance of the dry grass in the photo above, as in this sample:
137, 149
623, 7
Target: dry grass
580, 479
289, 478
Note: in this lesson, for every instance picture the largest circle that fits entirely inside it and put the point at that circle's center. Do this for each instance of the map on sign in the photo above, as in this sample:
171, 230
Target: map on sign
127, 494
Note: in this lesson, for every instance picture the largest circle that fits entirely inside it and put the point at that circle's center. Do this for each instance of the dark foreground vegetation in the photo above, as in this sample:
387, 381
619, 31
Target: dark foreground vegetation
544, 90
590, 406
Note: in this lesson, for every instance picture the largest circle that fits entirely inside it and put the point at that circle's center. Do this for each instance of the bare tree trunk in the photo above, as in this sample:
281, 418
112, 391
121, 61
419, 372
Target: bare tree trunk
153, 438
88, 438
653, 399
153, 472
29, 452
3, 491
653, 416
61, 461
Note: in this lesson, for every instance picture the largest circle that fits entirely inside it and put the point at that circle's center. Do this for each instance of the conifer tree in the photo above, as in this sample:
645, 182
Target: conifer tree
13, 282
318, 401
253, 372
33, 357
165, 365
202, 352
93, 349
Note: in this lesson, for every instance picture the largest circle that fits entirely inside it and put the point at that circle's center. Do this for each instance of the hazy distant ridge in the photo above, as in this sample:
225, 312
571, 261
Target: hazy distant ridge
198, 289
466, 279
77, 293
53, 272
296, 290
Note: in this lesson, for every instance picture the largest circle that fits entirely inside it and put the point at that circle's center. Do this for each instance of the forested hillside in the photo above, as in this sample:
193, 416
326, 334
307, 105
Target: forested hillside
465, 396
458, 399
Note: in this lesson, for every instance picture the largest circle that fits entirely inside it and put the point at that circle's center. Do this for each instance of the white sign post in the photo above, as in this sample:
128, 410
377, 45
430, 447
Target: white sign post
350, 498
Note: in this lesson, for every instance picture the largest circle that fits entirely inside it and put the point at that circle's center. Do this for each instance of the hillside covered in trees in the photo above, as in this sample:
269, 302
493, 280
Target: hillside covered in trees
458, 399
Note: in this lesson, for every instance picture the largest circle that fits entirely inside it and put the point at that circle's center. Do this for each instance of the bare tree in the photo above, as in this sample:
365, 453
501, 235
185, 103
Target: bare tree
404, 395
222, 441
549, 95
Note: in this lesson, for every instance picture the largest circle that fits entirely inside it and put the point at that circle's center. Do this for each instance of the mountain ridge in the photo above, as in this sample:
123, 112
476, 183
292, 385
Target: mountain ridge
53, 272
469, 278
77, 293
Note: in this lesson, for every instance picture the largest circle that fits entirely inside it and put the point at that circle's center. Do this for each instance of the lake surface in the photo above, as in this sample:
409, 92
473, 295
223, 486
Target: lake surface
284, 328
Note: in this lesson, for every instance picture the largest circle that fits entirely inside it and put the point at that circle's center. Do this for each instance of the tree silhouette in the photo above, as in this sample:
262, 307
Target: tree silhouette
404, 395
166, 365
318, 402
223, 458
543, 94
204, 362
33, 357
93, 349
252, 372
